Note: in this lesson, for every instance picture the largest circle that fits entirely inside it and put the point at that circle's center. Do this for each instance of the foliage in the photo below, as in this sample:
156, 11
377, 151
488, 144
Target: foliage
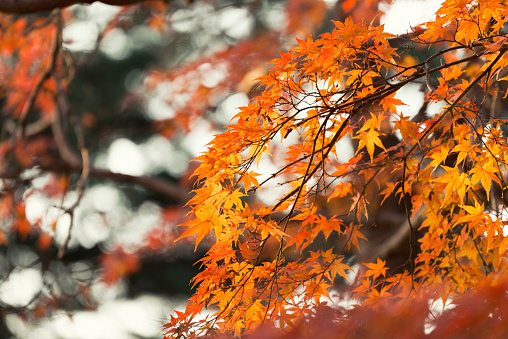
446, 172
467, 319
69, 220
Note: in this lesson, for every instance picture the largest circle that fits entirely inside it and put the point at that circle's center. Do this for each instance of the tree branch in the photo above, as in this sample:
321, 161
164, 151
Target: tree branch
155, 184
33, 6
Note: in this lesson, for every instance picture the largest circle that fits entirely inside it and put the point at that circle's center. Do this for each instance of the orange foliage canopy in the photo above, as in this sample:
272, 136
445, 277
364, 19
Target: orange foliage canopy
268, 265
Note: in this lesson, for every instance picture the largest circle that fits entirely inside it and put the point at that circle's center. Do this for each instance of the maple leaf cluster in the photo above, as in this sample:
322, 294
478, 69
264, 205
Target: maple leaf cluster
276, 263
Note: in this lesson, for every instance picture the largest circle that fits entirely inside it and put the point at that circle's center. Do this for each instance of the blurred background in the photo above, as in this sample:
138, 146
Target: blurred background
142, 89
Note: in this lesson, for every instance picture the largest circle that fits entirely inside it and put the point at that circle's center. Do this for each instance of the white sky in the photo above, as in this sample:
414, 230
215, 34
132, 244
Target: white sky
403, 14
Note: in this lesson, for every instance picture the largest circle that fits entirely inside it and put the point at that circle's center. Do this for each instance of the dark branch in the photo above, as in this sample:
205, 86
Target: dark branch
33, 6
154, 184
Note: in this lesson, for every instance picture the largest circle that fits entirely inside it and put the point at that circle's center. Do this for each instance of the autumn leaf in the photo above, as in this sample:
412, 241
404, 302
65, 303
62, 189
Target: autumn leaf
376, 270
369, 136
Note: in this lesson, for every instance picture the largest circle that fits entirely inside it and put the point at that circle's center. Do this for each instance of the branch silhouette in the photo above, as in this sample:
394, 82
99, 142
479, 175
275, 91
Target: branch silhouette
34, 6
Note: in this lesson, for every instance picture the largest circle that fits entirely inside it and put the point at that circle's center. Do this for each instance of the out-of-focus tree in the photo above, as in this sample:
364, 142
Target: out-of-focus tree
102, 107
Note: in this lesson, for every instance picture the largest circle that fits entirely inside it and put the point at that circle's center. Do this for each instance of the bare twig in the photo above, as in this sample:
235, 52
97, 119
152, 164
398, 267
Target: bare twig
64, 109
